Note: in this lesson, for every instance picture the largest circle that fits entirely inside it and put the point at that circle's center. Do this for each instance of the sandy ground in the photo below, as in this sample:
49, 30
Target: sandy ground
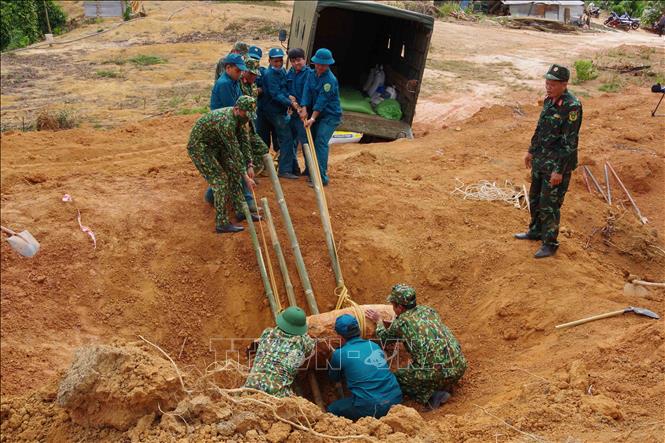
160, 271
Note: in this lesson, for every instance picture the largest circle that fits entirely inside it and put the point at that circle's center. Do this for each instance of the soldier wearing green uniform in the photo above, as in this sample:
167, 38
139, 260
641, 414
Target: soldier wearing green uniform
248, 87
280, 352
437, 362
219, 146
552, 158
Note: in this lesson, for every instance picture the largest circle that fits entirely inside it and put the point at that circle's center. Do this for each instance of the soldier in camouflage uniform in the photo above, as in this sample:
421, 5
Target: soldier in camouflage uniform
218, 146
249, 88
552, 158
281, 351
241, 48
437, 362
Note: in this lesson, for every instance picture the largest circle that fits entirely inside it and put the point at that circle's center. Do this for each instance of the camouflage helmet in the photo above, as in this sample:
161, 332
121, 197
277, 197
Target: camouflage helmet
252, 65
402, 294
241, 47
247, 103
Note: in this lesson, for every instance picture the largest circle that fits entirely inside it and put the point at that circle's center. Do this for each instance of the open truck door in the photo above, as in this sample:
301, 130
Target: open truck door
361, 35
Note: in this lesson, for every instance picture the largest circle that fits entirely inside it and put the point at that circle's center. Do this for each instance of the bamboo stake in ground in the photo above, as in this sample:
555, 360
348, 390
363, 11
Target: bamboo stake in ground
323, 213
607, 186
642, 218
300, 263
259, 260
595, 182
279, 253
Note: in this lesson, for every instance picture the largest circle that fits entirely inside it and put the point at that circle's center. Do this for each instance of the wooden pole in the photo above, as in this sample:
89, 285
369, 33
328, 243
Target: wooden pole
607, 186
643, 219
595, 182
323, 213
259, 260
279, 253
48, 22
300, 263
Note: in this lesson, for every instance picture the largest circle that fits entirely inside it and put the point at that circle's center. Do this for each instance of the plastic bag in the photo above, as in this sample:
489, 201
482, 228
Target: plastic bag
370, 78
389, 109
379, 80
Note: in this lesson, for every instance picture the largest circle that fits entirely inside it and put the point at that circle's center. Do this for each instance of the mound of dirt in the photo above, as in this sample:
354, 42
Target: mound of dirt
115, 393
116, 386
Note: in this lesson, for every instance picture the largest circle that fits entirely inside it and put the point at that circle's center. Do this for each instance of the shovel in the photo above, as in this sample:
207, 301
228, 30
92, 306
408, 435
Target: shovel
639, 311
23, 243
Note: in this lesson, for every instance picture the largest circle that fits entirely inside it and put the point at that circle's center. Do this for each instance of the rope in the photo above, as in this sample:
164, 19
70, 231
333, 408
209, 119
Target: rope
485, 190
271, 272
341, 290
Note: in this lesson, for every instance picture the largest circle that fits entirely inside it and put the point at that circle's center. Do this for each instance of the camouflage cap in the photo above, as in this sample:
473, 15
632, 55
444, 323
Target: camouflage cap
247, 103
252, 65
402, 294
241, 47
558, 73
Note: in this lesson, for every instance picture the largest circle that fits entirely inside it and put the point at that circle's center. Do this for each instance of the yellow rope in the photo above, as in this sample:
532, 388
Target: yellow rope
341, 291
271, 273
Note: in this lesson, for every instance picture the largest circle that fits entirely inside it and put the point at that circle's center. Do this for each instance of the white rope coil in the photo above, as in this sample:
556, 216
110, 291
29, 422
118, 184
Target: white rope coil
485, 190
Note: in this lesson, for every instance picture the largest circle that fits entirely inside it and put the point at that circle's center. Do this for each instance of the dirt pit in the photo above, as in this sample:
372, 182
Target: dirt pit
159, 270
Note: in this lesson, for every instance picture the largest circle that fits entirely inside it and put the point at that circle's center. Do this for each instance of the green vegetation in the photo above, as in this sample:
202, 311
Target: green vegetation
22, 23
55, 120
114, 61
613, 85
449, 8
109, 74
147, 60
584, 70
649, 10
190, 111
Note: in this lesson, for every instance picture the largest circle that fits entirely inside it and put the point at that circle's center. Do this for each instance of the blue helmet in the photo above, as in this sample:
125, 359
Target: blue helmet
276, 53
237, 60
255, 52
323, 57
347, 326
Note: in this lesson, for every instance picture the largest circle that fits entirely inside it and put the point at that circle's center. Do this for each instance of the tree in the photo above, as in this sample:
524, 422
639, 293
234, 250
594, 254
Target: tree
24, 22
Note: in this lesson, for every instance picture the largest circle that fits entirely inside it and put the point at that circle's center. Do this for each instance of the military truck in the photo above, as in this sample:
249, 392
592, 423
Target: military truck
362, 34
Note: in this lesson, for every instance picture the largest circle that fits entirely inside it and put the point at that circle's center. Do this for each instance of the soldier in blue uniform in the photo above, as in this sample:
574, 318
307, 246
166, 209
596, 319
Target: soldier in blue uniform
226, 90
296, 78
275, 106
321, 107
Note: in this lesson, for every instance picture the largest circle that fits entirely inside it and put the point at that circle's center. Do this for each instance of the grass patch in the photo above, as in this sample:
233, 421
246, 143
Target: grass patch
109, 74
147, 60
190, 111
613, 85
448, 9
114, 61
56, 120
584, 71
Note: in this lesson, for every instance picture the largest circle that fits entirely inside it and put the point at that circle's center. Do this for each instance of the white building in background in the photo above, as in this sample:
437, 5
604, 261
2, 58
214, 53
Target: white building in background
561, 10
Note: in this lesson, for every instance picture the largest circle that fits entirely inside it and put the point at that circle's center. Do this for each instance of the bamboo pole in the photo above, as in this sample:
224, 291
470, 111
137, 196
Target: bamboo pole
595, 182
323, 213
607, 185
259, 260
300, 263
316, 391
279, 253
642, 218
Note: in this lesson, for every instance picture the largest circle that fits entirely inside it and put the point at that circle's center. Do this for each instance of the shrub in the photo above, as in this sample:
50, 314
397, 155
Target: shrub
54, 121
612, 86
24, 22
584, 70
449, 8
147, 60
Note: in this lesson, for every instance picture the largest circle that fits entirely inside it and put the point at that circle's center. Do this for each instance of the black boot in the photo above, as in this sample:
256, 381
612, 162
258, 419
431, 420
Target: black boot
525, 236
230, 228
241, 217
546, 250
437, 399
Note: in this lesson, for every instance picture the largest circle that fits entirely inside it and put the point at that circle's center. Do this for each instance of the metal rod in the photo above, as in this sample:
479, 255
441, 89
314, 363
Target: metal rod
586, 181
323, 213
279, 253
595, 182
259, 259
300, 263
607, 185
642, 218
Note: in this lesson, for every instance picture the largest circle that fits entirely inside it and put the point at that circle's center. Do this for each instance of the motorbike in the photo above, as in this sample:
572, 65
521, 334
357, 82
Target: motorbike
624, 21
593, 11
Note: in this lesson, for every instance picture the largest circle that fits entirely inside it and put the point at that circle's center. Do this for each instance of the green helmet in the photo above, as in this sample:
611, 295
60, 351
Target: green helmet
241, 47
247, 103
252, 65
402, 294
292, 321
